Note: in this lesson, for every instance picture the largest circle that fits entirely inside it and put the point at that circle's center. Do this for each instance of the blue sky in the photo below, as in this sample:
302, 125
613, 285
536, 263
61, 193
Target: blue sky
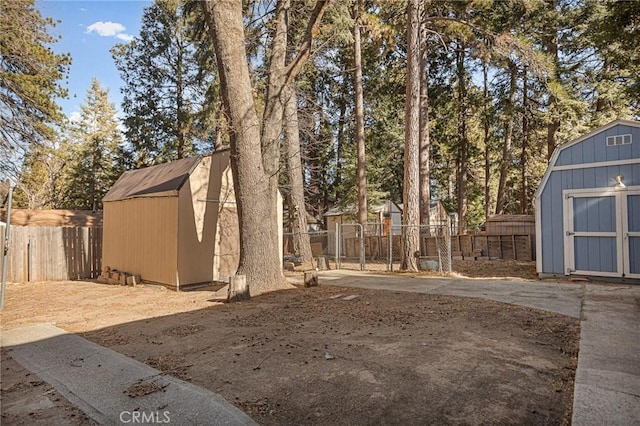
89, 29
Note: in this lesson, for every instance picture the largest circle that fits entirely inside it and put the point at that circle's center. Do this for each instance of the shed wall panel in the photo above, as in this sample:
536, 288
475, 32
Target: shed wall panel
596, 254
140, 237
551, 205
634, 255
586, 151
546, 231
595, 149
208, 231
594, 214
197, 226
227, 253
633, 218
612, 153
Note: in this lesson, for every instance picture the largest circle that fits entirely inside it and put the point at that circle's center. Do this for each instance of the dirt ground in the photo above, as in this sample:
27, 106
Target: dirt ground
308, 356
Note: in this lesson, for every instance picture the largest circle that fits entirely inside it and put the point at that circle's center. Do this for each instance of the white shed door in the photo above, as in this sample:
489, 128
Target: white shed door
602, 232
631, 233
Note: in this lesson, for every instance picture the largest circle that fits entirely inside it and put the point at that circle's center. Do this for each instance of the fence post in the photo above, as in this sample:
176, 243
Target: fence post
362, 254
5, 248
29, 259
390, 248
337, 238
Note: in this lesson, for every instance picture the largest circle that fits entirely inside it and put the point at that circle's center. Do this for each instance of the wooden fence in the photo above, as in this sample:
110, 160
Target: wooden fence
468, 246
49, 253
504, 246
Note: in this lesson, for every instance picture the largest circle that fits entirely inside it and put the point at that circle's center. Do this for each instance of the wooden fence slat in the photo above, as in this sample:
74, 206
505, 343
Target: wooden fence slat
54, 253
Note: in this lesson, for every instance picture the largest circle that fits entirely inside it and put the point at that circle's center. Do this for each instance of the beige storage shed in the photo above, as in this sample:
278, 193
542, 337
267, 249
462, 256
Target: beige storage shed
175, 224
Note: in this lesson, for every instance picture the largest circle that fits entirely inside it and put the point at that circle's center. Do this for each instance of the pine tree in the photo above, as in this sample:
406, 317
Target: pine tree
29, 82
411, 212
255, 146
39, 184
96, 157
167, 79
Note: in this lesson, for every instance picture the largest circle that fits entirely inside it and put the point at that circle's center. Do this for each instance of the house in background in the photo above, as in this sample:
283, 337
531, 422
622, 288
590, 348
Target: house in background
588, 206
175, 224
313, 224
438, 214
386, 215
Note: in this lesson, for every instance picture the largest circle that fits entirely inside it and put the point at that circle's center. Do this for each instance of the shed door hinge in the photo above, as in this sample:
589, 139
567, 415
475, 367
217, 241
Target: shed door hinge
567, 196
569, 233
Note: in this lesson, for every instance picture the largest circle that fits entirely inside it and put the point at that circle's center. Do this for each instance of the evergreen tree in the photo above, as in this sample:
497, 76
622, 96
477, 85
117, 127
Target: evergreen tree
96, 158
255, 144
40, 181
29, 82
411, 212
167, 79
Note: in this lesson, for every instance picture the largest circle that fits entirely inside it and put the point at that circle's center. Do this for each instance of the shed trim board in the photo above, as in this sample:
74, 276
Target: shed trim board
591, 221
592, 165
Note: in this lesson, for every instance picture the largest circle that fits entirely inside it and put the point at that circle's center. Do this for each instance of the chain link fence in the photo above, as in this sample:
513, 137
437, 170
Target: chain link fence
323, 245
374, 246
435, 247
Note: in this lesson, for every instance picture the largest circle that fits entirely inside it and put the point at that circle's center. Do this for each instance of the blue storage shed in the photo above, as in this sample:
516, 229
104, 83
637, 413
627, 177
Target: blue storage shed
588, 206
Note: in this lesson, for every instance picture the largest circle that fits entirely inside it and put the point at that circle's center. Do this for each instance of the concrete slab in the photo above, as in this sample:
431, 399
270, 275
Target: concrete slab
565, 299
112, 388
595, 406
607, 389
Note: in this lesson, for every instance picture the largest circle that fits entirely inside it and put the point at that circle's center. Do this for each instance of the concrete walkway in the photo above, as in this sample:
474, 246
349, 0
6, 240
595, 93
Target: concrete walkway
607, 384
607, 388
561, 298
112, 388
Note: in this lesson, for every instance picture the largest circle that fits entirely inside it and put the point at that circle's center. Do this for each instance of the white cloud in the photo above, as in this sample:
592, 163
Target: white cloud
125, 37
106, 29
109, 29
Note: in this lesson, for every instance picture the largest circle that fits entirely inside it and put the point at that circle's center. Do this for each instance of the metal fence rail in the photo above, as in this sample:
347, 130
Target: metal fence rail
53, 253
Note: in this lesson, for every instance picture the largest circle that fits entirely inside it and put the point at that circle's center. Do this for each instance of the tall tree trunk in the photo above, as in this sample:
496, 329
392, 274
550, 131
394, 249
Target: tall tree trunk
508, 135
255, 194
221, 128
297, 209
342, 123
463, 148
255, 189
411, 192
180, 112
275, 99
551, 46
361, 174
425, 145
524, 203
255, 153
487, 152
94, 172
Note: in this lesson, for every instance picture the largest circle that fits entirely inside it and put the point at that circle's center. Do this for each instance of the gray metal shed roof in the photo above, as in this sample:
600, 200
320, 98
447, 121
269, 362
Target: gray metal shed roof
163, 180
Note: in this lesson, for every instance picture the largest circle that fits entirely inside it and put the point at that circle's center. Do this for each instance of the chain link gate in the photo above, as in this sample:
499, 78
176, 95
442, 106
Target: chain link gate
350, 246
435, 247
377, 246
